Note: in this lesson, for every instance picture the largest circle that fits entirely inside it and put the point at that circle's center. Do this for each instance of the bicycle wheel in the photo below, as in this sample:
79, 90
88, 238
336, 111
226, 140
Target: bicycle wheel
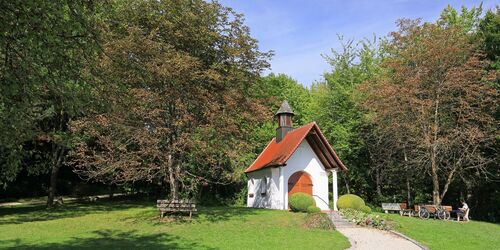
448, 215
423, 213
441, 215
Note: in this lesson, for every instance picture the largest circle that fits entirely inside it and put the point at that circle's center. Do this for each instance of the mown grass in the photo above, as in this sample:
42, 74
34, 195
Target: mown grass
135, 225
437, 234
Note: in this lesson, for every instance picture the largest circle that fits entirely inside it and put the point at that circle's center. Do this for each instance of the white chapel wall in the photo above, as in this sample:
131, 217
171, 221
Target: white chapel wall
304, 159
265, 179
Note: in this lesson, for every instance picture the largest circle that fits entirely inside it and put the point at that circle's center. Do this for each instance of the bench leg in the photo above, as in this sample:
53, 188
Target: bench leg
190, 214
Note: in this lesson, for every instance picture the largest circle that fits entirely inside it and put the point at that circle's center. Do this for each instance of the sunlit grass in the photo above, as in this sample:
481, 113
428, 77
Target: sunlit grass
135, 225
437, 234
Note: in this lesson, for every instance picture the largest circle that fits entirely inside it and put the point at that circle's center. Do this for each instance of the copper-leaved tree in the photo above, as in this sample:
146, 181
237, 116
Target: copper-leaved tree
436, 102
175, 77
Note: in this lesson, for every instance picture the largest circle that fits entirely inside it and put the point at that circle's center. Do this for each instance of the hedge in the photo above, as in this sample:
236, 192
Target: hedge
313, 209
299, 202
350, 201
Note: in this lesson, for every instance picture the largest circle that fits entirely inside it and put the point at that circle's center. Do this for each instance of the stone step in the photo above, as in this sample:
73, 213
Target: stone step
339, 221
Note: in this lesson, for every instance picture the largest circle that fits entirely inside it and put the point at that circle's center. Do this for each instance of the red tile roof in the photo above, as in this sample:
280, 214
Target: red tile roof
276, 154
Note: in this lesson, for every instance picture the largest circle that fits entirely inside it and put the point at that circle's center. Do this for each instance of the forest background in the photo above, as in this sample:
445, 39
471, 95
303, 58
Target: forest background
168, 98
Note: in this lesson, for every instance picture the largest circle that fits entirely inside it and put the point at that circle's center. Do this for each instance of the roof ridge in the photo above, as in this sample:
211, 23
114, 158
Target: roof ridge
277, 154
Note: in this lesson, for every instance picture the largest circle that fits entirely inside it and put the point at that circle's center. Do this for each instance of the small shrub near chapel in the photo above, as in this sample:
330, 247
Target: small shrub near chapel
313, 209
365, 209
350, 201
300, 202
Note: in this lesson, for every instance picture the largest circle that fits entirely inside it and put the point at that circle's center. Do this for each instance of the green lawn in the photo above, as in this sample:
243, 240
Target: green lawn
454, 235
135, 225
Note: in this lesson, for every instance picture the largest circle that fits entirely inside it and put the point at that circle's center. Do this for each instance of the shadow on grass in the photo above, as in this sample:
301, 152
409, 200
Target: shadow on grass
111, 239
29, 213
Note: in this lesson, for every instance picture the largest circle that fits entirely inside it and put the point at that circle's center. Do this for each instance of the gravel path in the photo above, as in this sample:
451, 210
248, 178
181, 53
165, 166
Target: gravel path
370, 238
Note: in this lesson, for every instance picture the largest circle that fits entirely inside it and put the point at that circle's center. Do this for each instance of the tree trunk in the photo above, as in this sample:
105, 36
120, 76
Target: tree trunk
434, 168
174, 188
53, 187
408, 192
58, 156
435, 181
377, 182
408, 176
346, 180
448, 182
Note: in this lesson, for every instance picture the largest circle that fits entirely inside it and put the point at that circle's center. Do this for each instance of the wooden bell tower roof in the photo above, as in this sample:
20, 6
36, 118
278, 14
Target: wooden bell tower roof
284, 109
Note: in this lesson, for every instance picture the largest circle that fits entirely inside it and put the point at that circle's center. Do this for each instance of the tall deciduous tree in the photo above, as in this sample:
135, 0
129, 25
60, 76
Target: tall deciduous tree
179, 74
334, 104
435, 98
44, 47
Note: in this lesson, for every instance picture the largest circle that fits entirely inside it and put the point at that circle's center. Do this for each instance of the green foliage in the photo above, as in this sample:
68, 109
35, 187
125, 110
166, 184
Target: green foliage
241, 197
45, 82
189, 71
365, 209
186, 68
313, 209
300, 202
335, 105
276, 88
489, 28
350, 201
361, 218
467, 20
318, 221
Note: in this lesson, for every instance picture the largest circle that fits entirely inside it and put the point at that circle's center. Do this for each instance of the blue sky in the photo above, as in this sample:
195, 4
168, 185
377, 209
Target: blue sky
300, 31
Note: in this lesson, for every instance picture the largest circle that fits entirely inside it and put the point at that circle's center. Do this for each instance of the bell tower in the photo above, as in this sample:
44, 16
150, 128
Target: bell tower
284, 115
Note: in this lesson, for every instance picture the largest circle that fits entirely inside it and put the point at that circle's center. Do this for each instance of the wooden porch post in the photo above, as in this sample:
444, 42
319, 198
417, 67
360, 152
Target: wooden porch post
335, 189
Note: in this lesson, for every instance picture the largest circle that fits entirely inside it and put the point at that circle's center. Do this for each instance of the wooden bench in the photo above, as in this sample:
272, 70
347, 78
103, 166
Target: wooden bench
392, 207
425, 211
405, 210
176, 206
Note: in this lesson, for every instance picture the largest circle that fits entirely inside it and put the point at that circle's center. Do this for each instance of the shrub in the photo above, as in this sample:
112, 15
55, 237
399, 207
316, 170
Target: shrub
365, 209
313, 209
318, 221
299, 202
350, 201
363, 219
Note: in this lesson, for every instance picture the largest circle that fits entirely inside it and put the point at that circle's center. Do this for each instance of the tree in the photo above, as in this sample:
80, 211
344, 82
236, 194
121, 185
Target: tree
489, 29
334, 105
466, 21
44, 85
179, 105
273, 89
435, 98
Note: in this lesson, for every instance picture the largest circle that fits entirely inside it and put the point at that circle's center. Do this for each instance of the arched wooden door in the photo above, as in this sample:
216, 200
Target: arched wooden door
300, 182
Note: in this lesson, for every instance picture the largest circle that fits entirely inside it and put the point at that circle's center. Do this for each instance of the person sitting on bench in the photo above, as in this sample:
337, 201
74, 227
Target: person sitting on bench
463, 211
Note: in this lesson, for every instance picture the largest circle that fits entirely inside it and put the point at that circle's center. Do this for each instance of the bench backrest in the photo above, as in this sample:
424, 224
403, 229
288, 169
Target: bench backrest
448, 208
173, 205
403, 206
391, 206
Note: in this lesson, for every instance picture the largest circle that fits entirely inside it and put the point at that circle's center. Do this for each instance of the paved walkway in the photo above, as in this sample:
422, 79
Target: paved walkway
370, 238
